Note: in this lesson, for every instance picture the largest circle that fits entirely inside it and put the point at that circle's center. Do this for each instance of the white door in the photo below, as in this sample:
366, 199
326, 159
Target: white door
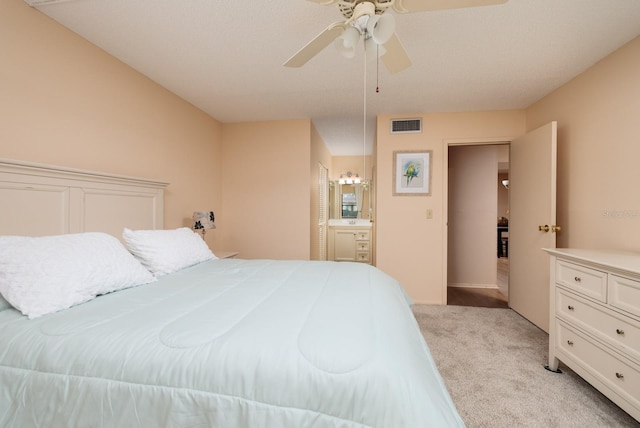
532, 222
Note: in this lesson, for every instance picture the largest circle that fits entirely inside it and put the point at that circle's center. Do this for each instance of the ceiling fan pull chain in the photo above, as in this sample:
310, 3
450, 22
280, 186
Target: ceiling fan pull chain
377, 68
364, 116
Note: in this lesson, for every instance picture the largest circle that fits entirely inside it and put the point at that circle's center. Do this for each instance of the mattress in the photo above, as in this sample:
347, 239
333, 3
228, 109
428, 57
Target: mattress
228, 343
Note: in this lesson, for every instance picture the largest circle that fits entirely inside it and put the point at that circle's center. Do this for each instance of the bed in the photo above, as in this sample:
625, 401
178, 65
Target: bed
218, 343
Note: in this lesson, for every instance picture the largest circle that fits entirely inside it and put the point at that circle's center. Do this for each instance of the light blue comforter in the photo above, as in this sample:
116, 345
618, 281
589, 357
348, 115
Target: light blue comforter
228, 343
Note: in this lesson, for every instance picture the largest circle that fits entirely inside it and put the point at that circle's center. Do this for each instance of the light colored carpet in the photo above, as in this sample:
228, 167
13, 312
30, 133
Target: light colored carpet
492, 361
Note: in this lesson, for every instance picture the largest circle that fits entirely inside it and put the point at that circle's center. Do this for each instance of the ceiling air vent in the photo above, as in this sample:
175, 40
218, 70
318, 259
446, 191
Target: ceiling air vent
404, 126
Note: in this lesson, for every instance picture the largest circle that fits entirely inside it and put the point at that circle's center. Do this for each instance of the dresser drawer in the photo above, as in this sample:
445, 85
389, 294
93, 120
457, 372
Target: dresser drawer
619, 374
362, 256
624, 293
584, 280
362, 245
362, 235
619, 331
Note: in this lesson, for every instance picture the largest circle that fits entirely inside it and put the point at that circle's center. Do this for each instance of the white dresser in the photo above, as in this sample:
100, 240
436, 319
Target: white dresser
595, 320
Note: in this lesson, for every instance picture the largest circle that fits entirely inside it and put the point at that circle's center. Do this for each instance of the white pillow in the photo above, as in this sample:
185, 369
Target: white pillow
42, 275
167, 251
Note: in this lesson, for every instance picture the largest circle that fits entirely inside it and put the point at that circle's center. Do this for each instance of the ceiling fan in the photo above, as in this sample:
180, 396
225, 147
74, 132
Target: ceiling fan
371, 21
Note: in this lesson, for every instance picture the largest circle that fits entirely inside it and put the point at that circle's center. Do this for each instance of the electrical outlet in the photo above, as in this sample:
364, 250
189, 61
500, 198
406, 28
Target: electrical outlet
429, 214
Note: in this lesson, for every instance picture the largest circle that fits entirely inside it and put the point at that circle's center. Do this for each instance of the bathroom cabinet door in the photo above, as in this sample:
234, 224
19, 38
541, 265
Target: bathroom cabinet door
344, 245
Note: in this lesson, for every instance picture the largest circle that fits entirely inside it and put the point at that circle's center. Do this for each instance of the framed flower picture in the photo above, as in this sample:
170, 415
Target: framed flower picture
412, 173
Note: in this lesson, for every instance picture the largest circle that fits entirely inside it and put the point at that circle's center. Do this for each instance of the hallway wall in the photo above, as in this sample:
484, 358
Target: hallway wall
473, 205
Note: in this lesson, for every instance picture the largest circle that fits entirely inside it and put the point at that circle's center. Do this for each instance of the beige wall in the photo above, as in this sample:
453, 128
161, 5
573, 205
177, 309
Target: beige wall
597, 114
66, 102
598, 150
266, 189
409, 246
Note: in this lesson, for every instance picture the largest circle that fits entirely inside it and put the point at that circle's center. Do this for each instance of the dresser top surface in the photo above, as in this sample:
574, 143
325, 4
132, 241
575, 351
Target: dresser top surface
620, 260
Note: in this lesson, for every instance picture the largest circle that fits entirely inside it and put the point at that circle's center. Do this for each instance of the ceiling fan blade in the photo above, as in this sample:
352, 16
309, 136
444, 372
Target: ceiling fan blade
408, 6
395, 58
316, 45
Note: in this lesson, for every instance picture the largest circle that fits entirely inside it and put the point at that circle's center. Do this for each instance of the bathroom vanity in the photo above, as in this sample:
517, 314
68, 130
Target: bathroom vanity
350, 232
350, 240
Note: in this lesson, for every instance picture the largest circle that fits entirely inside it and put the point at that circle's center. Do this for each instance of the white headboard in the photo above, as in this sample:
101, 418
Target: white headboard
37, 199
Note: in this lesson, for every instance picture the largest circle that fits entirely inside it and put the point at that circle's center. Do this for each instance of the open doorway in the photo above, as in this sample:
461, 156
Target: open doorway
478, 212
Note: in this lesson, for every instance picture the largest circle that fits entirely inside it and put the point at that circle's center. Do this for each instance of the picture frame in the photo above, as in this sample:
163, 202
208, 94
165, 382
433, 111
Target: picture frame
412, 173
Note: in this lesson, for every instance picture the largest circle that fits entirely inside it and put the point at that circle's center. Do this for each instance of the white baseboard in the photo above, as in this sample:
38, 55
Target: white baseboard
470, 285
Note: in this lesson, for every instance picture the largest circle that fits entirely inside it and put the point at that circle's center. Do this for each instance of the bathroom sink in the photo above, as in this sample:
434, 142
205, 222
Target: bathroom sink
364, 222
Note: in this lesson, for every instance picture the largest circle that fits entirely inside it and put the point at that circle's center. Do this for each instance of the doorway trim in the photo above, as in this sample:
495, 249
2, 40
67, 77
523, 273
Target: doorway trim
448, 142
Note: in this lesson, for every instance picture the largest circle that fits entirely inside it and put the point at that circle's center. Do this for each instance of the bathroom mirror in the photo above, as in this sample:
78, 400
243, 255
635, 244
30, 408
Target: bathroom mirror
350, 200
349, 205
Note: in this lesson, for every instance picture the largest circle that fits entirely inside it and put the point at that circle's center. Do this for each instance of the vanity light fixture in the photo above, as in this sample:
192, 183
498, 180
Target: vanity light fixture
203, 220
505, 183
349, 178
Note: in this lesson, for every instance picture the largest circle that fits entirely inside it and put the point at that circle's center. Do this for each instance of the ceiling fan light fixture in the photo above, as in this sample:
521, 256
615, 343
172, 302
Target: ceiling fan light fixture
345, 51
350, 37
373, 20
346, 43
381, 27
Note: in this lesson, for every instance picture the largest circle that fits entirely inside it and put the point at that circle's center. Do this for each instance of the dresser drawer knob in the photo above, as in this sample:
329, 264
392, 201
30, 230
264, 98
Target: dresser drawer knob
577, 279
619, 375
620, 332
570, 307
570, 342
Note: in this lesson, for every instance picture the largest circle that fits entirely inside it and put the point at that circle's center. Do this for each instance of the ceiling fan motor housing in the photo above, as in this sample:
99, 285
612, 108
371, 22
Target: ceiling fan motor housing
358, 8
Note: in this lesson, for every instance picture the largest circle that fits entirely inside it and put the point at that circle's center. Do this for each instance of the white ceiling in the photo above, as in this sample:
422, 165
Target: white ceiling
226, 56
